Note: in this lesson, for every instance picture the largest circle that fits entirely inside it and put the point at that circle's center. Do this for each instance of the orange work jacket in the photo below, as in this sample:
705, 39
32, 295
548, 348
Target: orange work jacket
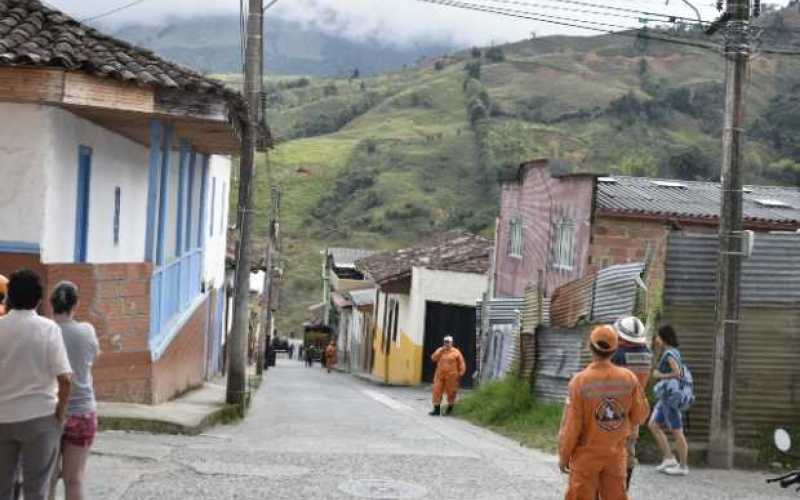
449, 362
605, 403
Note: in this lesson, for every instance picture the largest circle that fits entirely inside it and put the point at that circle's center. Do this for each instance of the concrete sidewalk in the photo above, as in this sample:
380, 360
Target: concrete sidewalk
191, 413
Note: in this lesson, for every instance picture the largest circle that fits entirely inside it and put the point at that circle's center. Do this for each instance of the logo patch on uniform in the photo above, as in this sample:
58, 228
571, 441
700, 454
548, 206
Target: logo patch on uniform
609, 414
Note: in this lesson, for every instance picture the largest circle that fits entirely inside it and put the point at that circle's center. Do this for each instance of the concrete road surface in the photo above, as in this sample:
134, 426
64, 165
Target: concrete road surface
311, 435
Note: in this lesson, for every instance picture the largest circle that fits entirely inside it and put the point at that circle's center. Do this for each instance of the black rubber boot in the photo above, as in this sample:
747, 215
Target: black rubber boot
449, 410
628, 479
437, 410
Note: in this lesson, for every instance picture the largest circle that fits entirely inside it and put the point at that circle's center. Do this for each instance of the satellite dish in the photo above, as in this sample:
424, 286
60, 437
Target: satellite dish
783, 441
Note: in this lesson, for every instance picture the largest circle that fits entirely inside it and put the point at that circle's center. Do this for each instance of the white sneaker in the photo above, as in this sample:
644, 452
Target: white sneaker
678, 470
667, 464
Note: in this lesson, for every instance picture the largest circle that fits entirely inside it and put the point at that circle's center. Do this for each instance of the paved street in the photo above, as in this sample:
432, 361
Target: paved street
318, 436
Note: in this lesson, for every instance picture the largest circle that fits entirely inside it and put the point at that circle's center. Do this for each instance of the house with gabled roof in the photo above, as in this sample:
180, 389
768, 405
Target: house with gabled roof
116, 175
424, 293
555, 228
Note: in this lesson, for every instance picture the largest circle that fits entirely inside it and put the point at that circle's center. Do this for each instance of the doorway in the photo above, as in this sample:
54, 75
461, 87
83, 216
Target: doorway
457, 321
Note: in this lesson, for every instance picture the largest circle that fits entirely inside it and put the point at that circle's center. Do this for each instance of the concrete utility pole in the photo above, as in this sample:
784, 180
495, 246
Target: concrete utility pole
237, 348
737, 56
270, 256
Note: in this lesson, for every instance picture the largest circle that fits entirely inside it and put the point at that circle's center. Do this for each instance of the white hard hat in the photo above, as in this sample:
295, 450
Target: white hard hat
448, 339
631, 329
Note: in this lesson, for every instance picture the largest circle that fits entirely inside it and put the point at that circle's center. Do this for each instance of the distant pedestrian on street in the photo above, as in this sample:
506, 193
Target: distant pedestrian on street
672, 392
450, 367
330, 356
310, 356
634, 355
3, 292
604, 405
35, 383
80, 340
291, 351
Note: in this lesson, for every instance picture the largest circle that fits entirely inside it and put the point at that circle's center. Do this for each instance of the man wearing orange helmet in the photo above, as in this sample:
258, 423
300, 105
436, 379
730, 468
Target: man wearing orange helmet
605, 402
450, 367
3, 292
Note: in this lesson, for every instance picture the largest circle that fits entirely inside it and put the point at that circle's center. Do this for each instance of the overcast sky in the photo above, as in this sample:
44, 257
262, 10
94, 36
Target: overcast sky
402, 21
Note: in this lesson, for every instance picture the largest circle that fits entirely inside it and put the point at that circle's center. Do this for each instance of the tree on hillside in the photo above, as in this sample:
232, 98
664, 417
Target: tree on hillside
495, 54
476, 53
473, 70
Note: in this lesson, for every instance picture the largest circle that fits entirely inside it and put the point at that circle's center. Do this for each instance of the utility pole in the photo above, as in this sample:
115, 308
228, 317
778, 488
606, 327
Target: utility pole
737, 56
237, 349
266, 297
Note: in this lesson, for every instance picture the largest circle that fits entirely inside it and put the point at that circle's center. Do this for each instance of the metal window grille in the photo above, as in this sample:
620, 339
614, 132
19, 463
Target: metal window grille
563, 257
117, 206
516, 244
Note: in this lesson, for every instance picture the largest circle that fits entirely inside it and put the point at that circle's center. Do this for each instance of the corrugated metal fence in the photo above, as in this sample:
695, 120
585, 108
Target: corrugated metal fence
768, 348
500, 346
558, 357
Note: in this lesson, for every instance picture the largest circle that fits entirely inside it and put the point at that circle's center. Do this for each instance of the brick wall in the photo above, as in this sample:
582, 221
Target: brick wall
180, 367
538, 198
115, 298
10, 262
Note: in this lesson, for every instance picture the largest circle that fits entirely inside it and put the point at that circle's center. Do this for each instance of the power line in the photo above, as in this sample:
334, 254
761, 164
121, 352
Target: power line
631, 32
112, 11
640, 13
639, 18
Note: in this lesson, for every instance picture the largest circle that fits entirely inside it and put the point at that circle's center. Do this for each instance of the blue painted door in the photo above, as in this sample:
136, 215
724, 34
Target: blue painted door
82, 204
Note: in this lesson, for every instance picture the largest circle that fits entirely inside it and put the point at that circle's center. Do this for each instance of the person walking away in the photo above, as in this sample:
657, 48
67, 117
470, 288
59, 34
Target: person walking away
35, 383
450, 367
634, 355
310, 356
3, 292
81, 426
673, 393
605, 403
330, 356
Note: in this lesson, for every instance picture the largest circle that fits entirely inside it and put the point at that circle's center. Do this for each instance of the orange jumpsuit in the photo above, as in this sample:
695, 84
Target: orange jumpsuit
605, 403
330, 357
450, 367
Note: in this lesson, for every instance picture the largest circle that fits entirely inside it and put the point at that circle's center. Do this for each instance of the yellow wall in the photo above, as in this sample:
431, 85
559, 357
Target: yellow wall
404, 360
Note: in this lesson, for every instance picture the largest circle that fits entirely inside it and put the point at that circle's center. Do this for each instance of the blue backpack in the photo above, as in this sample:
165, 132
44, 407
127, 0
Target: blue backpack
677, 392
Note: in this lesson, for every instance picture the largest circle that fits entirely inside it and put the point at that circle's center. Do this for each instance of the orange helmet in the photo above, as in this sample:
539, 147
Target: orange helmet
3, 285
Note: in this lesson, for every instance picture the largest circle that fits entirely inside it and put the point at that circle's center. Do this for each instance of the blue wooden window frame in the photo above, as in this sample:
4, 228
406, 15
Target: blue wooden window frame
163, 210
183, 190
201, 226
156, 131
82, 203
190, 202
213, 214
117, 209
222, 210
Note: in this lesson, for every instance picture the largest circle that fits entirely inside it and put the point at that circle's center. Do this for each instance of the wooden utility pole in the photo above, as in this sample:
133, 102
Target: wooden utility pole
237, 346
270, 256
737, 56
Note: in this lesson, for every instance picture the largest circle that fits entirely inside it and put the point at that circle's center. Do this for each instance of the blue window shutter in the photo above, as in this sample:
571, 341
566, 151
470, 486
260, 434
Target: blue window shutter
187, 243
182, 195
152, 189
201, 227
213, 219
82, 203
164, 196
222, 210
117, 208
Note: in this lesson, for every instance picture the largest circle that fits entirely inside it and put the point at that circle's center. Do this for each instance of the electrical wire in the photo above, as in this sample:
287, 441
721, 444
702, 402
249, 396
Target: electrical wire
112, 11
630, 32
638, 18
269, 5
640, 13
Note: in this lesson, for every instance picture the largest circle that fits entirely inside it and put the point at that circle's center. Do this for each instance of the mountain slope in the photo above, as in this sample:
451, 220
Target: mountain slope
381, 162
291, 49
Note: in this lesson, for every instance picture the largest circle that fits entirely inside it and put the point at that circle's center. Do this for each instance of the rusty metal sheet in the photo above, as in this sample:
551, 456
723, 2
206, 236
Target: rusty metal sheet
572, 302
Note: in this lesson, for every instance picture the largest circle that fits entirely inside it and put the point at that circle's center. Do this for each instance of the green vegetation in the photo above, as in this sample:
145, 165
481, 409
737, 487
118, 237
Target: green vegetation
381, 162
507, 407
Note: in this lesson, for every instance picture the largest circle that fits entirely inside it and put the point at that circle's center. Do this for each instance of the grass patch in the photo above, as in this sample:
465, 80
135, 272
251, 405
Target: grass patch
508, 407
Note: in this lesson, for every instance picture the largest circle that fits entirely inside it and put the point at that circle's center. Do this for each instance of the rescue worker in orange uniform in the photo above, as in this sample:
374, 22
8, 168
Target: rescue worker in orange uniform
450, 367
3, 292
634, 355
604, 405
330, 356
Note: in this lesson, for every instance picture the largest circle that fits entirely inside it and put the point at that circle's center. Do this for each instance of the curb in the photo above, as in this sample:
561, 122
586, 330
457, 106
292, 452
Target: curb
224, 414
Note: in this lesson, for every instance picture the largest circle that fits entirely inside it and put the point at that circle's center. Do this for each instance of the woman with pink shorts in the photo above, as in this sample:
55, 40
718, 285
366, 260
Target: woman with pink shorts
81, 425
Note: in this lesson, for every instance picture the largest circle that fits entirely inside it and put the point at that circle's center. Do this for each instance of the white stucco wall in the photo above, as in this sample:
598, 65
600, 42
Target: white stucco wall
447, 287
23, 143
215, 247
116, 161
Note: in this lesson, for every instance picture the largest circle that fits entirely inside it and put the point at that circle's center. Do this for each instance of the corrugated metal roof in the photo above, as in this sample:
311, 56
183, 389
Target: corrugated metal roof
642, 195
347, 257
363, 297
502, 310
615, 291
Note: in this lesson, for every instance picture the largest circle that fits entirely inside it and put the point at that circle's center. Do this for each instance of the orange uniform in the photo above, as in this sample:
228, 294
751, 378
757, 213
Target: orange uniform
450, 367
330, 356
605, 403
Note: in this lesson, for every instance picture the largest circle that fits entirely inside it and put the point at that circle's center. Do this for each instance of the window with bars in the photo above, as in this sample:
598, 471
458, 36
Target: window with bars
117, 207
563, 244
516, 244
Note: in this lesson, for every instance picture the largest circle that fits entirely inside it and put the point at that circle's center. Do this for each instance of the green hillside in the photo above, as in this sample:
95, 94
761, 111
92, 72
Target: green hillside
380, 162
